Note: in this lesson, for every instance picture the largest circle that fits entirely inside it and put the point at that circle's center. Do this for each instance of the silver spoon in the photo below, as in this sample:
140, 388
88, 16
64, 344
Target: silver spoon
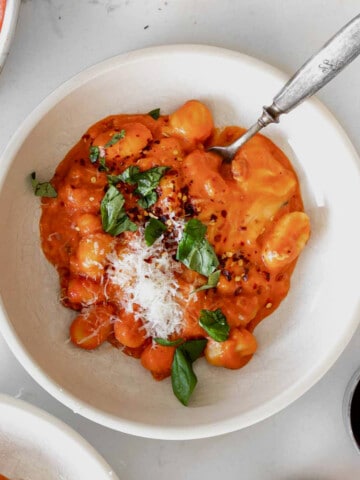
335, 55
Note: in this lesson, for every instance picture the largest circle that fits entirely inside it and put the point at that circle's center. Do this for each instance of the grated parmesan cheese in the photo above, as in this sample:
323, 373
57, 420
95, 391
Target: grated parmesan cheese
146, 278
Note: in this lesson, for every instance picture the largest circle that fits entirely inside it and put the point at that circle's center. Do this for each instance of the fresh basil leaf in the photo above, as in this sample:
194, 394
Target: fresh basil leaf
94, 154
44, 189
183, 378
213, 280
153, 230
113, 215
194, 251
102, 165
155, 114
193, 348
146, 182
113, 179
148, 200
115, 138
129, 175
215, 324
168, 343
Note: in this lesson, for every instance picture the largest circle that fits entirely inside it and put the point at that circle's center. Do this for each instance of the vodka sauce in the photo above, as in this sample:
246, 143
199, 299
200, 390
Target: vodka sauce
2, 14
144, 216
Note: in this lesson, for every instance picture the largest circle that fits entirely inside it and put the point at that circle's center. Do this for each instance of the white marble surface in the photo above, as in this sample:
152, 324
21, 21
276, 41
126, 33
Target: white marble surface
56, 39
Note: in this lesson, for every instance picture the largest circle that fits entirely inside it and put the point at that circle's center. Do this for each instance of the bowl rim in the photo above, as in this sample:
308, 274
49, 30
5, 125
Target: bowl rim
346, 407
50, 420
114, 422
8, 28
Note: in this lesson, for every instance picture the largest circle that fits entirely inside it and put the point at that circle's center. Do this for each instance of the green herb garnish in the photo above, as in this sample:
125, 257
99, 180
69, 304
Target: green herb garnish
129, 175
115, 138
168, 343
183, 378
94, 154
113, 215
102, 165
148, 200
153, 230
113, 179
146, 181
44, 189
155, 114
213, 280
194, 251
215, 324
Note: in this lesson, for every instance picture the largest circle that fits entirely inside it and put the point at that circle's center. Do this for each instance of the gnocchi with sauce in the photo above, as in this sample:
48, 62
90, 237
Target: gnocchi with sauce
163, 250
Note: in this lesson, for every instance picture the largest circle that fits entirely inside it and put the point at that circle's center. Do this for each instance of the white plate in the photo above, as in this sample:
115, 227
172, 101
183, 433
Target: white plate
297, 344
36, 446
8, 28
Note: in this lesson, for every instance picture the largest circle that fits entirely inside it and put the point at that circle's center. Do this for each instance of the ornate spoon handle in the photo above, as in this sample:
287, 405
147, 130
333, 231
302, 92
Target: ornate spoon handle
338, 52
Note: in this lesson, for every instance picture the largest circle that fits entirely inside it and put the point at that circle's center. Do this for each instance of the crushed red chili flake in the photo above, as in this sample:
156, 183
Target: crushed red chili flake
227, 274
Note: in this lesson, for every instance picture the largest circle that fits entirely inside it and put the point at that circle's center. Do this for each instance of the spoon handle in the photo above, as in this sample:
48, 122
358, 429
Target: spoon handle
338, 52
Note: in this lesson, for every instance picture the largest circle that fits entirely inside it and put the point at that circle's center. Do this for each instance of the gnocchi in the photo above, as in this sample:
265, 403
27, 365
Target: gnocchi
164, 250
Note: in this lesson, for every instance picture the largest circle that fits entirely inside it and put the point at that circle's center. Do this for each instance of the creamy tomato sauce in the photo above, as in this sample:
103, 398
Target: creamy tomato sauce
2, 11
253, 214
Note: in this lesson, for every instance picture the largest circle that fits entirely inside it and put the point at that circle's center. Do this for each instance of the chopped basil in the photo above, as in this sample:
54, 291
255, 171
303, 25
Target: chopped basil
129, 175
194, 251
98, 154
153, 230
213, 280
146, 181
115, 138
44, 189
113, 215
148, 200
155, 114
102, 165
94, 154
113, 179
168, 343
215, 324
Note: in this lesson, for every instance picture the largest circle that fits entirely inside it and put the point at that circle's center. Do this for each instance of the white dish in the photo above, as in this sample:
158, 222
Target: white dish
8, 28
297, 344
36, 446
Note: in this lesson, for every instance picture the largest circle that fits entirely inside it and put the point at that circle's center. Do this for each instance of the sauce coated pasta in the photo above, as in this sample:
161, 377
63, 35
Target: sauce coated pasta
165, 251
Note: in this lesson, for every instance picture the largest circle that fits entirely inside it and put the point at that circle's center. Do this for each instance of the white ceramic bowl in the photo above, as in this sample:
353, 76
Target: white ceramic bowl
297, 344
8, 28
36, 446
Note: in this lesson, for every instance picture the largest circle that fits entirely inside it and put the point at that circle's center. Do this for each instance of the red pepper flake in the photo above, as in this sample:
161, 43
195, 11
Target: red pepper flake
237, 292
266, 275
227, 274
